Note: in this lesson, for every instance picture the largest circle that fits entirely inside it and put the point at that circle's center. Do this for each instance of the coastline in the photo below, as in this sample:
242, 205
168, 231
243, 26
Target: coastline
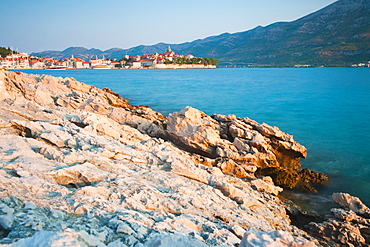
168, 67
222, 156
187, 67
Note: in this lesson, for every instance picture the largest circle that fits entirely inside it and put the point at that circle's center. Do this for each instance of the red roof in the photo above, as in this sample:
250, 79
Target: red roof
78, 59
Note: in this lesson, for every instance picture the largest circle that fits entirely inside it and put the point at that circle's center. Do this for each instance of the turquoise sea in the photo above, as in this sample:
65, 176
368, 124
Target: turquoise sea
326, 109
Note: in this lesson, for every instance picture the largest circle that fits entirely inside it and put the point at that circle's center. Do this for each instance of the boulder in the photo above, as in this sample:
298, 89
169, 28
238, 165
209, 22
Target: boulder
236, 145
194, 130
352, 203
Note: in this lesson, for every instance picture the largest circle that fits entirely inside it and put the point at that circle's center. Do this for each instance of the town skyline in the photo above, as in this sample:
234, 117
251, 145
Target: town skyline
51, 25
166, 60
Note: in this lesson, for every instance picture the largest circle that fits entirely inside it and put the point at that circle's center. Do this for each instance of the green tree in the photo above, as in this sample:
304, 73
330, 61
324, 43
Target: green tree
124, 59
213, 61
5, 51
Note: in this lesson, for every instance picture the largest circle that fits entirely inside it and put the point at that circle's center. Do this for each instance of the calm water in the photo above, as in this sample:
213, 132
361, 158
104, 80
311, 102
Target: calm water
326, 109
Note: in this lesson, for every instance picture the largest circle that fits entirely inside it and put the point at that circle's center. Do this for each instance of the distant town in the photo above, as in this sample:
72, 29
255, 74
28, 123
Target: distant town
167, 60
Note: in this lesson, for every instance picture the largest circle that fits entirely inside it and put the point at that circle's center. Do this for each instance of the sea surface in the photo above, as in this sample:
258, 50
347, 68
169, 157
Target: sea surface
326, 109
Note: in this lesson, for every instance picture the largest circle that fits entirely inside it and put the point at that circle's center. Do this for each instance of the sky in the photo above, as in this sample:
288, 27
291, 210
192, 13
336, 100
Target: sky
39, 25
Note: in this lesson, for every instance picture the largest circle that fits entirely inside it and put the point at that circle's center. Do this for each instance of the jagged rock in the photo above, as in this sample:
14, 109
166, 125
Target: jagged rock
238, 144
348, 227
81, 165
342, 233
229, 166
310, 178
195, 130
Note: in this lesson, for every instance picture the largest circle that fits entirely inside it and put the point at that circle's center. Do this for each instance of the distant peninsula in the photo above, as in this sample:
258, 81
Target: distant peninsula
10, 59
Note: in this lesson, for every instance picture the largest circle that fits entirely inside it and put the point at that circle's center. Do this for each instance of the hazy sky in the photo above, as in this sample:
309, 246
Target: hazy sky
38, 25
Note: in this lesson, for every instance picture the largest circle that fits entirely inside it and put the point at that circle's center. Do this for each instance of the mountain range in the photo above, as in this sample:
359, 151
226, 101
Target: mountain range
337, 35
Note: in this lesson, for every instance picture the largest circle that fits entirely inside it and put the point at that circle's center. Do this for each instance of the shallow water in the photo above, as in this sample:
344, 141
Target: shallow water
326, 109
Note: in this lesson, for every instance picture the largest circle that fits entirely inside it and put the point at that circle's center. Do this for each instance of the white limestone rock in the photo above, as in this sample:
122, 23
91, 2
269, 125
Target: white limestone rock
83, 173
194, 129
66, 238
266, 184
256, 238
6, 221
170, 240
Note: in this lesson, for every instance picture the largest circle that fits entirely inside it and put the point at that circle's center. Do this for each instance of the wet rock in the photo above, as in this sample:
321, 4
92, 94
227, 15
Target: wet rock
282, 177
348, 227
338, 232
309, 179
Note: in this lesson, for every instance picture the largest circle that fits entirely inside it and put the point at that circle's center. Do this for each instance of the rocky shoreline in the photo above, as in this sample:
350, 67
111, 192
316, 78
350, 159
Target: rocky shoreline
81, 166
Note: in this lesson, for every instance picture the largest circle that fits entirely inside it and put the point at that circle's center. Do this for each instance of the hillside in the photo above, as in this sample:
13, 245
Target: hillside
337, 35
80, 52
